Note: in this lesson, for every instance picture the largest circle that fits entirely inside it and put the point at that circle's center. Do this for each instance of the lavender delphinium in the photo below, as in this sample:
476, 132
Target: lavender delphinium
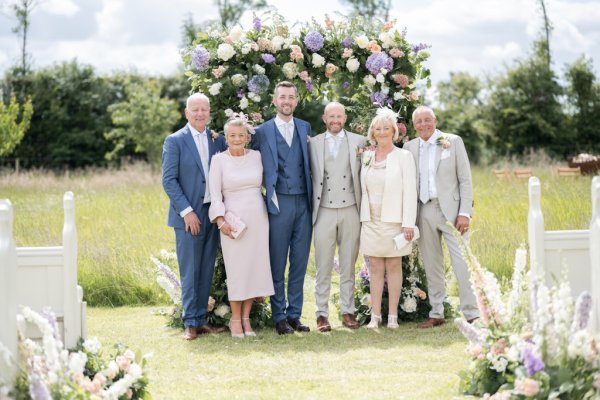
469, 331
200, 57
583, 307
38, 389
240, 93
314, 41
346, 85
418, 47
257, 23
531, 361
50, 316
268, 58
377, 61
167, 272
347, 42
379, 98
258, 84
309, 86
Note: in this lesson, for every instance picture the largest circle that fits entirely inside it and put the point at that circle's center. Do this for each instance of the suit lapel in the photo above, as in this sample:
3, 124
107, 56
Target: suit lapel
303, 136
188, 138
319, 149
438, 156
352, 146
212, 148
271, 139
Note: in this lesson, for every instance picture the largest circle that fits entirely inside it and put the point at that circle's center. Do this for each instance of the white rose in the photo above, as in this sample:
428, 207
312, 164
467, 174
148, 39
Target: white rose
77, 362
214, 34
398, 95
222, 310
383, 71
317, 60
225, 51
288, 42
409, 304
254, 97
277, 43
369, 80
380, 78
246, 48
352, 64
290, 70
228, 112
92, 345
214, 89
238, 80
385, 89
244, 103
135, 371
258, 69
236, 33
362, 41
387, 39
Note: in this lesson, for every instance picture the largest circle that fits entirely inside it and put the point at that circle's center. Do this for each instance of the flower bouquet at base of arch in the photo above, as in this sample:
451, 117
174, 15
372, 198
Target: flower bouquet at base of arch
413, 305
218, 309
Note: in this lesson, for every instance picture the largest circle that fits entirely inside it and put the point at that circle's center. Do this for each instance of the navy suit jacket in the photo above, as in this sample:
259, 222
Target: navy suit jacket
264, 141
183, 178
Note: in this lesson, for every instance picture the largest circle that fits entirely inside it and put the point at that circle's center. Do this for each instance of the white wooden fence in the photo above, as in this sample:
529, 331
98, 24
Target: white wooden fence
40, 277
578, 251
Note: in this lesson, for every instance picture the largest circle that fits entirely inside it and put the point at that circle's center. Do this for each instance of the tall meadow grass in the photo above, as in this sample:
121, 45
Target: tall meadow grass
121, 221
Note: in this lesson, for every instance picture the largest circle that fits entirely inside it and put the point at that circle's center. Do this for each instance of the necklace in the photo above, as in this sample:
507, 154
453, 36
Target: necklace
242, 155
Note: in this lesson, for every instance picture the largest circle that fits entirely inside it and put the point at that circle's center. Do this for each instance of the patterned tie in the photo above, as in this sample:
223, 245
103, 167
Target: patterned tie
336, 145
424, 172
202, 139
288, 134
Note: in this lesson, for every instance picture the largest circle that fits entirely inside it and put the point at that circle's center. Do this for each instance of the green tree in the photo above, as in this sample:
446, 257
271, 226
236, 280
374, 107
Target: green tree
370, 8
230, 11
144, 119
583, 98
524, 112
11, 131
22, 10
460, 110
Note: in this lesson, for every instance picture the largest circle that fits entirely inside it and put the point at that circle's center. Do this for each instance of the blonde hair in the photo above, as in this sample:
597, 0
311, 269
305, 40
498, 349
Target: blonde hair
383, 118
238, 119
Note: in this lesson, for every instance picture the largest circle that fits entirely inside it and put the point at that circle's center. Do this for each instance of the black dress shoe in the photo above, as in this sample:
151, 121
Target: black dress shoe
283, 328
298, 326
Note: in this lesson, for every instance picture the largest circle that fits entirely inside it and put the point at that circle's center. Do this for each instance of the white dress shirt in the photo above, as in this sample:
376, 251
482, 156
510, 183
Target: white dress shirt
285, 127
199, 139
333, 141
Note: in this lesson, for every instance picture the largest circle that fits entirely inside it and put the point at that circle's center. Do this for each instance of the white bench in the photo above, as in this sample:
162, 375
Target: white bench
577, 250
40, 277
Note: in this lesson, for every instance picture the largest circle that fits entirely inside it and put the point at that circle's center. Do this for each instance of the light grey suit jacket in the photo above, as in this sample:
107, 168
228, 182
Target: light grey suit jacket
452, 177
317, 166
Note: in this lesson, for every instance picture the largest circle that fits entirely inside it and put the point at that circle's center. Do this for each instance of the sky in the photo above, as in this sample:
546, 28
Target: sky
481, 37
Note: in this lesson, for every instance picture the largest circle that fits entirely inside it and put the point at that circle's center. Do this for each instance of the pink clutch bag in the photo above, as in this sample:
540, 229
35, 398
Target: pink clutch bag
237, 225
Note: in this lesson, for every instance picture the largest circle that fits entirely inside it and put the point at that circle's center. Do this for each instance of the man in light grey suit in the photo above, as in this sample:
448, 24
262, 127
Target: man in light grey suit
445, 194
335, 169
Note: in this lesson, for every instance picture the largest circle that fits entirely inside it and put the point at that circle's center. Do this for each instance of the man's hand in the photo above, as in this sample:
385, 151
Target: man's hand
409, 233
192, 223
462, 224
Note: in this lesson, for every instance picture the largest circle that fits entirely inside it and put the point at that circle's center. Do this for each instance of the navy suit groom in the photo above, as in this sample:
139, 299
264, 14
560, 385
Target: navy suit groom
282, 142
186, 158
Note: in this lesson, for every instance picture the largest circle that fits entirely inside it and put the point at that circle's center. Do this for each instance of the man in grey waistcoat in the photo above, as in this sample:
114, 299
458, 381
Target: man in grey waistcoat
335, 168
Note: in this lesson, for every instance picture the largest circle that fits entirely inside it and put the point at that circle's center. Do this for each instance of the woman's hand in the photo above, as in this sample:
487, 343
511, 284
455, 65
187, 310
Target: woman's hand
224, 227
409, 233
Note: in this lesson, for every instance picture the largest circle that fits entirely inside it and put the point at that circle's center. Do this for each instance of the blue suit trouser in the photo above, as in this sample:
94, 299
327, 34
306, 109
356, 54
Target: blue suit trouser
290, 232
196, 256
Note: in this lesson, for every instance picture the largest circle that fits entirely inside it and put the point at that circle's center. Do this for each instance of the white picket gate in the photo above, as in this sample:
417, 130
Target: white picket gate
578, 251
40, 277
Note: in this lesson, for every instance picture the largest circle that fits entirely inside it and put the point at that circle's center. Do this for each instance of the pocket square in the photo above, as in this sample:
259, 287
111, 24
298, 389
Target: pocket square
445, 154
237, 225
401, 242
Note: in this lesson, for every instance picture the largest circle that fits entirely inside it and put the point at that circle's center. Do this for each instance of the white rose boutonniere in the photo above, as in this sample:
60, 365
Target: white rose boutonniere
443, 141
367, 157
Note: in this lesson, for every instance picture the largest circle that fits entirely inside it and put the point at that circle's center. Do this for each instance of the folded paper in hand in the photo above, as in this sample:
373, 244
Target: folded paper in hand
401, 242
237, 225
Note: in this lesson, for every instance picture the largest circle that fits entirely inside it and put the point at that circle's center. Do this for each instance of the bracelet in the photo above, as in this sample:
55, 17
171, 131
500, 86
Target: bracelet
220, 226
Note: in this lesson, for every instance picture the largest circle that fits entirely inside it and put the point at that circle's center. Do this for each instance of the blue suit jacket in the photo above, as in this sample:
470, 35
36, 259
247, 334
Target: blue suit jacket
264, 141
183, 178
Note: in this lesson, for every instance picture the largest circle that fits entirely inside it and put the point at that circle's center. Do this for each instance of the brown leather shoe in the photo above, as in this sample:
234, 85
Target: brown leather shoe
204, 329
431, 322
470, 321
323, 324
190, 333
349, 321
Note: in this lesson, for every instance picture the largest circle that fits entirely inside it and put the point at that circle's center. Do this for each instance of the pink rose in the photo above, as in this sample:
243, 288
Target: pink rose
123, 363
211, 304
264, 44
400, 79
413, 96
597, 382
218, 72
303, 75
396, 53
130, 355
499, 346
374, 47
329, 70
129, 393
256, 117
347, 53
527, 387
388, 25
402, 130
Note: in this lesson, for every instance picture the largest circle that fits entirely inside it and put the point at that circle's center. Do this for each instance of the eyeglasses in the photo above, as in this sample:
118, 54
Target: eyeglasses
424, 121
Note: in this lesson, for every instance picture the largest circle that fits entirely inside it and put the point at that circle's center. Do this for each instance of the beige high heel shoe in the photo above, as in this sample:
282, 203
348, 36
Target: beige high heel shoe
236, 335
250, 332
393, 322
375, 321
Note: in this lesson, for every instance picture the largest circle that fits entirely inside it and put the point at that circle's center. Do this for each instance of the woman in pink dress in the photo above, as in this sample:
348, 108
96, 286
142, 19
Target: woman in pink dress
235, 181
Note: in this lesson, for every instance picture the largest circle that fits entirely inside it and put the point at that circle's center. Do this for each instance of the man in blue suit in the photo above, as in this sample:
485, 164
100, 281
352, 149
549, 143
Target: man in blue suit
186, 159
282, 142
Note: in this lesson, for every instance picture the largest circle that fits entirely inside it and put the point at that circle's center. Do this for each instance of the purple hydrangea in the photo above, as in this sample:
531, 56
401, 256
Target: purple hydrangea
347, 42
418, 47
257, 23
268, 58
377, 61
309, 86
531, 361
258, 84
240, 93
379, 98
346, 85
200, 58
314, 41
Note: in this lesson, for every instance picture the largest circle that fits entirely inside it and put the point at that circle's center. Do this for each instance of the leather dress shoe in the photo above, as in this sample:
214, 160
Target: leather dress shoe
298, 326
349, 321
190, 333
204, 329
470, 321
323, 324
431, 322
283, 328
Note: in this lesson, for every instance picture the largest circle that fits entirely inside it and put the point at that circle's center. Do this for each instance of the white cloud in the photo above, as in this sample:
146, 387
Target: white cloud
505, 52
65, 8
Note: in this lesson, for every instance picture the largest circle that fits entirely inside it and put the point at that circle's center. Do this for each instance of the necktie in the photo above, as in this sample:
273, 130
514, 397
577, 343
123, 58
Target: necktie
424, 173
287, 128
204, 159
336, 145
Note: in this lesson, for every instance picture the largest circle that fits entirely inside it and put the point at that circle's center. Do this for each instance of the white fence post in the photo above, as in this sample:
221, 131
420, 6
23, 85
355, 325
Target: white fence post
595, 253
72, 310
8, 275
535, 224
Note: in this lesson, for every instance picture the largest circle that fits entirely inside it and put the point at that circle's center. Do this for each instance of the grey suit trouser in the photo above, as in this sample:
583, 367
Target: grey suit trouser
432, 226
341, 227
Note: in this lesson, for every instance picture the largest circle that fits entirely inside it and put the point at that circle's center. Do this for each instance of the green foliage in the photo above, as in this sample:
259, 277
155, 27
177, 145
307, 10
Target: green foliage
11, 131
583, 97
230, 11
370, 9
144, 119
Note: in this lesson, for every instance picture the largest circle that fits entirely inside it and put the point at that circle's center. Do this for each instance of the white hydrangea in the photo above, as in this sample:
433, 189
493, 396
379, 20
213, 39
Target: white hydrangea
254, 97
380, 78
352, 64
290, 70
77, 362
222, 310
92, 345
135, 371
384, 88
258, 69
369, 80
387, 39
238, 80
498, 363
246, 48
228, 112
288, 42
215, 89
236, 33
225, 51
409, 304
318, 60
277, 42
398, 96
243, 103
362, 41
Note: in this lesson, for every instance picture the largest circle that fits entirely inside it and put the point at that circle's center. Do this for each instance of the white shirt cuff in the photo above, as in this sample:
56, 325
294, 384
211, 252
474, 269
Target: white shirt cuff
186, 211
465, 215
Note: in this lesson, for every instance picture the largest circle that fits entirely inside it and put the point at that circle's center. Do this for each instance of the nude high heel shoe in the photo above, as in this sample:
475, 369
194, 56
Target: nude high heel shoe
236, 335
375, 321
249, 332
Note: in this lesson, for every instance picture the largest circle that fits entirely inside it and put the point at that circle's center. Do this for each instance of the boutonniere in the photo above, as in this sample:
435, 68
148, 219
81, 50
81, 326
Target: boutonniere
367, 157
214, 135
443, 141
360, 150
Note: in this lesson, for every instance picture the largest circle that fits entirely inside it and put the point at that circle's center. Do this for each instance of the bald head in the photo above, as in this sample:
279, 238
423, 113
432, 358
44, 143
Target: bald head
334, 117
